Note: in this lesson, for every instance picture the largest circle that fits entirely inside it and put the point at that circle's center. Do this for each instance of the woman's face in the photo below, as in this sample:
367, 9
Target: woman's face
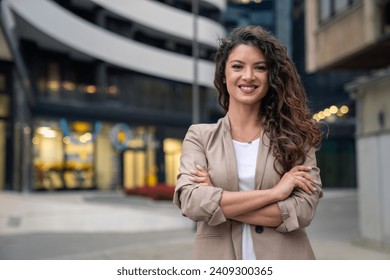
246, 76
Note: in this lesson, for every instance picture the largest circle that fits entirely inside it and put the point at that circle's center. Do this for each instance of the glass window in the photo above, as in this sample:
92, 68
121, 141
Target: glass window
325, 9
172, 151
48, 156
340, 5
139, 159
88, 155
63, 155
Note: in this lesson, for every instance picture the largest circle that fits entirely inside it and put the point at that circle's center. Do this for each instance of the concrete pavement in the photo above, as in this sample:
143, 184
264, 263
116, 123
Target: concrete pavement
109, 225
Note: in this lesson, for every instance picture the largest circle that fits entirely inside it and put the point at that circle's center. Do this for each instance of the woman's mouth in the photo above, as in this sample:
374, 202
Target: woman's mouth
247, 88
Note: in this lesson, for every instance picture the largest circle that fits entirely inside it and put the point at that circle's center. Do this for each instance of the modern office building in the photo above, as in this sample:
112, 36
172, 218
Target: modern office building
98, 94
351, 35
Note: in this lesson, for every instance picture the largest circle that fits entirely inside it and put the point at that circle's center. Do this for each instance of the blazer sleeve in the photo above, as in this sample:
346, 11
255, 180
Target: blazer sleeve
298, 209
199, 203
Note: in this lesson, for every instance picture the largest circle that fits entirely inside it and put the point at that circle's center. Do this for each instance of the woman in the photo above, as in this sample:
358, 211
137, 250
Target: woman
251, 180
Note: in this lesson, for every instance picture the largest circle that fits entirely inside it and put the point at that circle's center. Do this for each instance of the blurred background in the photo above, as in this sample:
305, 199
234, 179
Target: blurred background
97, 95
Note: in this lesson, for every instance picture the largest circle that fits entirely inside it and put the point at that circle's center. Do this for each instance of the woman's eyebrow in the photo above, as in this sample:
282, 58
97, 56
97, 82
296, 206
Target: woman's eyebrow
239, 61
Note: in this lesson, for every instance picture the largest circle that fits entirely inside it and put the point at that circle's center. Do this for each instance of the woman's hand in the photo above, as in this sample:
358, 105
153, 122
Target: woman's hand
297, 177
201, 176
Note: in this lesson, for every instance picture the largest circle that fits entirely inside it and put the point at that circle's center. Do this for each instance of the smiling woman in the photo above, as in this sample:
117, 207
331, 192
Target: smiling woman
251, 180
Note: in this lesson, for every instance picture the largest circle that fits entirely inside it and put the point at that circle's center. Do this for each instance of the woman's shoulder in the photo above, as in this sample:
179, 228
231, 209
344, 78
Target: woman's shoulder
208, 127
207, 130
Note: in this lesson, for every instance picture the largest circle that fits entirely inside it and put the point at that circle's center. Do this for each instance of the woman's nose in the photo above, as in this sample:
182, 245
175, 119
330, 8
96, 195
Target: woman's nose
248, 74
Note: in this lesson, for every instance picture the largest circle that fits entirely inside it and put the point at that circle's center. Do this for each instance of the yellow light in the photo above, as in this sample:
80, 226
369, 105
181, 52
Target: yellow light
333, 109
81, 126
327, 112
82, 139
53, 85
321, 115
87, 136
344, 109
35, 141
121, 136
90, 89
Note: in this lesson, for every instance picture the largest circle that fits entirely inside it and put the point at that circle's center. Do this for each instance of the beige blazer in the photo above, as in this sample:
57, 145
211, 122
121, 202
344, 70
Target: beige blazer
210, 145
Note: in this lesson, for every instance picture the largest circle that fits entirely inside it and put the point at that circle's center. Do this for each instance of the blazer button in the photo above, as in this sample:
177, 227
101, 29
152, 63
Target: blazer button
259, 229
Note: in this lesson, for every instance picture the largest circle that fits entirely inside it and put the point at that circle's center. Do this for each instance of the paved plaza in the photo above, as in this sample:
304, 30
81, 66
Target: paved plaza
99, 225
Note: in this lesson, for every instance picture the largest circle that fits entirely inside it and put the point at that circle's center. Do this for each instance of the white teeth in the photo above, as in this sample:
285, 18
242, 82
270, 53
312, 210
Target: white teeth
248, 88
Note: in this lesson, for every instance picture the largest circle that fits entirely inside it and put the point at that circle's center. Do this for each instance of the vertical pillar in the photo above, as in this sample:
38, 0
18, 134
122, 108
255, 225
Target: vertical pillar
23, 163
195, 55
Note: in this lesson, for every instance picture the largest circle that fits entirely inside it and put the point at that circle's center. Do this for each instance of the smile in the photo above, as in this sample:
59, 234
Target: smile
247, 88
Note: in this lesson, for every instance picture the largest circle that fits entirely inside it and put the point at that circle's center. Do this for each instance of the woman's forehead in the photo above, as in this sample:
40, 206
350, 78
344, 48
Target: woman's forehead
244, 51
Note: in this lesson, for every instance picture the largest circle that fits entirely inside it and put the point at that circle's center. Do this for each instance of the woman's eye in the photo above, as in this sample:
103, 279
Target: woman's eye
261, 68
236, 66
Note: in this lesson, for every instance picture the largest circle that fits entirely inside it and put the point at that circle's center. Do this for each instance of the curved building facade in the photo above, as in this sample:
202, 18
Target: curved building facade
103, 89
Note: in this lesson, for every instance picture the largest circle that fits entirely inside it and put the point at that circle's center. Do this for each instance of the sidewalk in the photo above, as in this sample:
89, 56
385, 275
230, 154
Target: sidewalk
109, 225
85, 212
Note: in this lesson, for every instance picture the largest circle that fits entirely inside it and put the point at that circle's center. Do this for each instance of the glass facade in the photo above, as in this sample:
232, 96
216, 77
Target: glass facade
81, 123
240, 14
64, 80
103, 135
99, 155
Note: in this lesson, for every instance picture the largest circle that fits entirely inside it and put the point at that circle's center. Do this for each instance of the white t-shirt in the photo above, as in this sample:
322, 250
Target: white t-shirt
246, 156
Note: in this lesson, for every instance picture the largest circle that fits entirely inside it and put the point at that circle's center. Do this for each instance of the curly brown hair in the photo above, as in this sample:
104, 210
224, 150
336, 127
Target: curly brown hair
284, 110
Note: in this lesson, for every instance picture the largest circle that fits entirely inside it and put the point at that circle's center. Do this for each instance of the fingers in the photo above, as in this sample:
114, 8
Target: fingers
197, 179
308, 179
301, 168
200, 176
305, 185
304, 180
199, 172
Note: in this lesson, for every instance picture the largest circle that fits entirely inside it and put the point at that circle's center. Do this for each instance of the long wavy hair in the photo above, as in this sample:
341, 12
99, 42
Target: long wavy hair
284, 111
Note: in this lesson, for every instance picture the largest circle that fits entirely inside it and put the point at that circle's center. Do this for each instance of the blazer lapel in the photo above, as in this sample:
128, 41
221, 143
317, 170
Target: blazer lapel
262, 157
231, 162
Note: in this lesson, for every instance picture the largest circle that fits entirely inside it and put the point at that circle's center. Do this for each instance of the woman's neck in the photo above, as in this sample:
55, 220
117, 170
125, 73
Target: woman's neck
243, 119
244, 127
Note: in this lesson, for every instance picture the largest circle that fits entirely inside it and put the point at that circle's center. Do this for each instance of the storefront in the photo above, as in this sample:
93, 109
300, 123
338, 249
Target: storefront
99, 155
